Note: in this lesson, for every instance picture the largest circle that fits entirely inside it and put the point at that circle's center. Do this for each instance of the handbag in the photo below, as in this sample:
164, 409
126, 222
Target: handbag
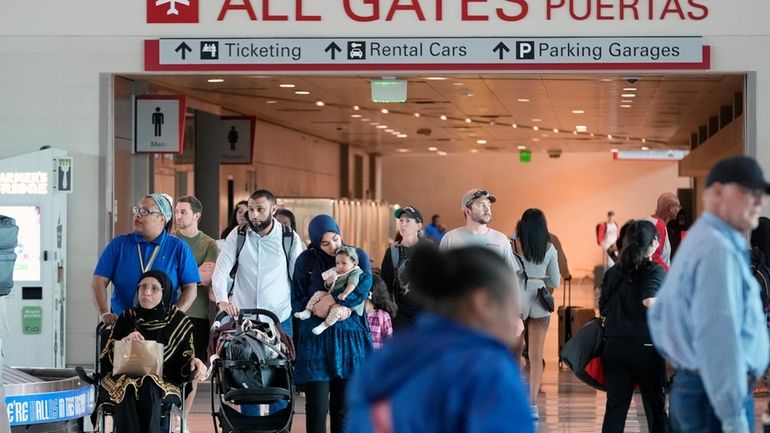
545, 298
583, 354
137, 358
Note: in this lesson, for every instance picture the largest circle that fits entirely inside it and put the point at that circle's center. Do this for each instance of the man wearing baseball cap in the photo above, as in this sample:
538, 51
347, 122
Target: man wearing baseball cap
476, 206
708, 320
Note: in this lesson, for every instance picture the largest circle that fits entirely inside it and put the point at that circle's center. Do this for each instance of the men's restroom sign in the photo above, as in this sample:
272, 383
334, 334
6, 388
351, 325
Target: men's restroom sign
159, 123
63, 167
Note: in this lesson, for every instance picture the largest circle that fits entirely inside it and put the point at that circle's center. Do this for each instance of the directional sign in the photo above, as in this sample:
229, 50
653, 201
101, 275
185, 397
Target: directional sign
472, 53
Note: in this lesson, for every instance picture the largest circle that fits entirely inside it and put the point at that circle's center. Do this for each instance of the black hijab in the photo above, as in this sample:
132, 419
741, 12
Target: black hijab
163, 308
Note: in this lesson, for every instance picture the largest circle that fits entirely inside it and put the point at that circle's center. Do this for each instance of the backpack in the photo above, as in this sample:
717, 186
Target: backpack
261, 347
287, 237
598, 233
762, 274
9, 238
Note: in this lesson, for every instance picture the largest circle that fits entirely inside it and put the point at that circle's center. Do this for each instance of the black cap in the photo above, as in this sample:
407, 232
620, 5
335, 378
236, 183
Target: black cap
410, 211
741, 170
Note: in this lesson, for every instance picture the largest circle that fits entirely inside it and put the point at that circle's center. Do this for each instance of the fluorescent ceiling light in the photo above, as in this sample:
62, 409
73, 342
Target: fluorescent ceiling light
581, 128
578, 111
301, 92
215, 80
523, 100
433, 149
286, 86
481, 141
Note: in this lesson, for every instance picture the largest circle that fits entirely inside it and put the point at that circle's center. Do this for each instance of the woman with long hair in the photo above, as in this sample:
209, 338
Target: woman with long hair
453, 371
238, 216
628, 290
540, 264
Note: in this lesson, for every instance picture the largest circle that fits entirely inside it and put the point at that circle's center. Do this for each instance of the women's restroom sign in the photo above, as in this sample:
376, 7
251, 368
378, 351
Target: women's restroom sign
159, 123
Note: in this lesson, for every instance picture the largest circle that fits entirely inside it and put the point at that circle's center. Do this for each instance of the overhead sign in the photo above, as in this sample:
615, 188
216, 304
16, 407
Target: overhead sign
651, 155
234, 135
470, 53
159, 123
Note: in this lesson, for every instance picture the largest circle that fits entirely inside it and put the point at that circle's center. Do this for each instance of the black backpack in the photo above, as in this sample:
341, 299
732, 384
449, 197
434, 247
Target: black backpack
9, 238
762, 274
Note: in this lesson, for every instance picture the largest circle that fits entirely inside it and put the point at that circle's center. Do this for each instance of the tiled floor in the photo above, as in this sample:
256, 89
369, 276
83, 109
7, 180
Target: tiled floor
566, 404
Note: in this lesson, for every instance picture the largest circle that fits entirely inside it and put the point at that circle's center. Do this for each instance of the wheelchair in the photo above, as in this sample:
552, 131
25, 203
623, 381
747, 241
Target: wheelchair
106, 409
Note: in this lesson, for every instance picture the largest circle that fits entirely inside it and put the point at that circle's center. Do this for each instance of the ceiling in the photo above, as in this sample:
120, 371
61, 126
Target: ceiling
480, 110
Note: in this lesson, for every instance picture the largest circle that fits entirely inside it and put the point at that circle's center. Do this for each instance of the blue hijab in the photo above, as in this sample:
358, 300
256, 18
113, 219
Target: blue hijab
319, 225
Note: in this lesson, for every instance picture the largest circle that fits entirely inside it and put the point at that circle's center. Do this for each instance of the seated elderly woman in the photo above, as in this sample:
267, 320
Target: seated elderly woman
138, 400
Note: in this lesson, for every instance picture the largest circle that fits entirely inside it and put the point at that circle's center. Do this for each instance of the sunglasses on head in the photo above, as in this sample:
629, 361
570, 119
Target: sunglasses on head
476, 195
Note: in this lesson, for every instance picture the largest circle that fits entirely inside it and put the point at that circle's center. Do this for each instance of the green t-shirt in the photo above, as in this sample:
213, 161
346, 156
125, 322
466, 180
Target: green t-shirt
204, 249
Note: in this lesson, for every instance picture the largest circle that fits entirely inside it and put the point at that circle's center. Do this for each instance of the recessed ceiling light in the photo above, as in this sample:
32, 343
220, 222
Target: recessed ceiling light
578, 111
609, 136
544, 135
384, 111
481, 141
355, 116
286, 86
581, 128
606, 80
301, 92
625, 106
356, 108
436, 78
433, 149
514, 126
644, 140
535, 128
457, 83
389, 130
215, 80
441, 153
271, 102
443, 117
645, 148
535, 140
614, 150
402, 136
416, 114
537, 120
626, 101
320, 103
629, 89
382, 126
402, 150
521, 147
523, 100
556, 130
375, 123
474, 151
628, 95
468, 120
364, 119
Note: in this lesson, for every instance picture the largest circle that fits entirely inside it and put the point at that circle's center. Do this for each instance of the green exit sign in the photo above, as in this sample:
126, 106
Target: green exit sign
525, 156
389, 90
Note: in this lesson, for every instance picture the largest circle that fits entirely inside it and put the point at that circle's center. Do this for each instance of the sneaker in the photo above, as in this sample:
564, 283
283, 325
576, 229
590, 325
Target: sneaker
302, 315
535, 413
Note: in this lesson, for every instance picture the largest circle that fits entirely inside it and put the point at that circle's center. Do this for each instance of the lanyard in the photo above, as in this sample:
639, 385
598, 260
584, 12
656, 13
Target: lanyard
152, 258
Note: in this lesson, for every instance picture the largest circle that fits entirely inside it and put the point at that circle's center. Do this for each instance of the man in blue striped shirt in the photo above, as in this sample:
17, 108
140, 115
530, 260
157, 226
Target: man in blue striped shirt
708, 320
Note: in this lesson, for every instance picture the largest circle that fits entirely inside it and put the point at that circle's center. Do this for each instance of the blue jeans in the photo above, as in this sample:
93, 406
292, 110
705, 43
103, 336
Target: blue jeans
690, 410
253, 409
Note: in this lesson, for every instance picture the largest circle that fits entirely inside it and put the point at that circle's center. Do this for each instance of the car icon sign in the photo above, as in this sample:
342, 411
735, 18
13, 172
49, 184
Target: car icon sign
356, 50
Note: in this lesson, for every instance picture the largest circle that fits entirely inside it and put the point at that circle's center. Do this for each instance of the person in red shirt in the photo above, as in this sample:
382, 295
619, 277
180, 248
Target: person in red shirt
667, 209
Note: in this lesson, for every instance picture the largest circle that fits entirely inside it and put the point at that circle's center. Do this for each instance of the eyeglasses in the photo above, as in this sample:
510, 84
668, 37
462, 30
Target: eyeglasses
143, 212
476, 195
150, 288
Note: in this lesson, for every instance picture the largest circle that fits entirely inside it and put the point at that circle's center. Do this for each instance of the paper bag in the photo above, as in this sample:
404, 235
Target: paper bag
322, 307
138, 358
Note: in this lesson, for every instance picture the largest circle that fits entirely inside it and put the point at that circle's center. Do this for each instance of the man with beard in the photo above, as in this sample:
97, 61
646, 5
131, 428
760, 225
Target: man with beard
476, 206
264, 266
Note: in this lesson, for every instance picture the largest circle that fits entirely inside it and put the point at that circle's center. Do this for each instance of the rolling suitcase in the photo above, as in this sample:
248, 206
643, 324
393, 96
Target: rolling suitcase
571, 318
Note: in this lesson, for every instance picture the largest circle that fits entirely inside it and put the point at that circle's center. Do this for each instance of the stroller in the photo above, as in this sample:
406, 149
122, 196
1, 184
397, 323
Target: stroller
251, 365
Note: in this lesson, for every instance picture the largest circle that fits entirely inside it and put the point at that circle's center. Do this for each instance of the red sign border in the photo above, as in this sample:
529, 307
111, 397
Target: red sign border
152, 64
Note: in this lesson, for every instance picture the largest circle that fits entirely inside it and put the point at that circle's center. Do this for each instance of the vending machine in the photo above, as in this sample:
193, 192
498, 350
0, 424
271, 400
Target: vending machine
33, 190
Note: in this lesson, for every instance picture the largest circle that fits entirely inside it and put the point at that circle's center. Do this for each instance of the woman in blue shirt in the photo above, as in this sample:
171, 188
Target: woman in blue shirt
325, 362
453, 372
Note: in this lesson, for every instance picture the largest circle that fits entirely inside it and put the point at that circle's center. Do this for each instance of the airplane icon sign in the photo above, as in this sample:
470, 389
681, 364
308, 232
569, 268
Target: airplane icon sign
172, 5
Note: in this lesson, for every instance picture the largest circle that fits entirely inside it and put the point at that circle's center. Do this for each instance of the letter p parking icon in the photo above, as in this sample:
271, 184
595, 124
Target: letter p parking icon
525, 50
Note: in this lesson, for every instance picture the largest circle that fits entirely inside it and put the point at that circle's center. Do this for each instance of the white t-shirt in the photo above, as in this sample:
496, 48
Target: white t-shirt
492, 239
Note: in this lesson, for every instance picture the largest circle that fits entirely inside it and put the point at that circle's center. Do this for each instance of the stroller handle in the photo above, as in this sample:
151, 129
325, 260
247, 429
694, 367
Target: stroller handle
252, 311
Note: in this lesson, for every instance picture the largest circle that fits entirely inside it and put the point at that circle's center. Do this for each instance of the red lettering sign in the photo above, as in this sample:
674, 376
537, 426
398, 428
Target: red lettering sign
172, 11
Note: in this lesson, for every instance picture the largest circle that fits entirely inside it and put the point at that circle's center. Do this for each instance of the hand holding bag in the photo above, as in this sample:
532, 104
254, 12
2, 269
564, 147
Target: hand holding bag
137, 358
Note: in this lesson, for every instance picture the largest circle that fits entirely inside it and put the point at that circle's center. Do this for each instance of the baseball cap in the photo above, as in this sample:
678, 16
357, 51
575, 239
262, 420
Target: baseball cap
475, 194
410, 211
741, 170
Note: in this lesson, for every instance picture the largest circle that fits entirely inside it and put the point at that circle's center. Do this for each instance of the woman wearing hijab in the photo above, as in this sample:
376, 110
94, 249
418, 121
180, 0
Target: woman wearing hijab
325, 362
453, 371
137, 400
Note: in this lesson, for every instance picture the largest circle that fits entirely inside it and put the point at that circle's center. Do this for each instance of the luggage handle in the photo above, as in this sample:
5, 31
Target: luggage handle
567, 288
